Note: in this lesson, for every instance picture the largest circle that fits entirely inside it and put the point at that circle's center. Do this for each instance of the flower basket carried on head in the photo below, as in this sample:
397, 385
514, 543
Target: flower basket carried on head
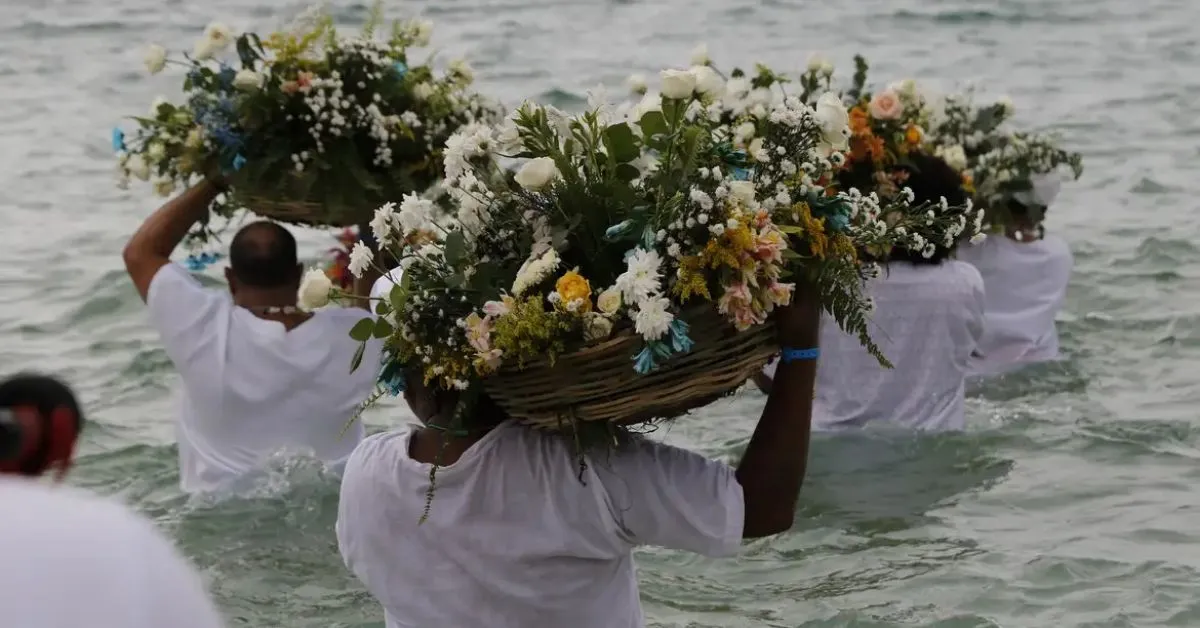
597, 384
689, 212
306, 126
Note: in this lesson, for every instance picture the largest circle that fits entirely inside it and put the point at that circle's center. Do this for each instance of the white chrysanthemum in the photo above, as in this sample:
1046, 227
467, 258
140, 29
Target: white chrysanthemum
534, 271
360, 259
415, 213
653, 320
384, 223
641, 278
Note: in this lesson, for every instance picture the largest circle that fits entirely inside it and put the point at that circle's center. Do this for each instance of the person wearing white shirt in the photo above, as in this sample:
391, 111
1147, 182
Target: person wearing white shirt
72, 559
928, 320
1025, 272
259, 376
517, 535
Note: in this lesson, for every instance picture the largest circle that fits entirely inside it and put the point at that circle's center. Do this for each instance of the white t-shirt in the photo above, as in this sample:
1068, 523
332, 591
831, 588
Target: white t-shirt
251, 388
1026, 286
927, 321
382, 288
71, 559
514, 539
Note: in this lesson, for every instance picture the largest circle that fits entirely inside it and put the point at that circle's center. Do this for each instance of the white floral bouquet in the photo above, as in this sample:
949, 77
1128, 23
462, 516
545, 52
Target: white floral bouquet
1011, 167
306, 125
616, 224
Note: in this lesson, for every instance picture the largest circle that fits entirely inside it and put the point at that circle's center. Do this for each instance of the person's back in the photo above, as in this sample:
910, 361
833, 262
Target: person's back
519, 534
1025, 272
71, 559
259, 375
251, 387
516, 537
927, 321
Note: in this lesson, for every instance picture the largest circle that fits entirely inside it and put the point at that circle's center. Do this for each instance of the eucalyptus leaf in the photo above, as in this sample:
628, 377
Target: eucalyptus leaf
383, 329
363, 329
356, 361
621, 144
627, 172
653, 123
455, 248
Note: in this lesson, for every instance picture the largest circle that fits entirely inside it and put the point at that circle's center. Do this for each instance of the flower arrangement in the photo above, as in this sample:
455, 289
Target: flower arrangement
617, 227
888, 127
307, 126
1011, 166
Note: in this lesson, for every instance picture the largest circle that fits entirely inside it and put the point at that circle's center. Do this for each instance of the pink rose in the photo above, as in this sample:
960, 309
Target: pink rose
885, 105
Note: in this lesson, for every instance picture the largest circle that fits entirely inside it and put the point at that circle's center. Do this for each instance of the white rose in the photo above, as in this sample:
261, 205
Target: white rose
155, 58
708, 82
596, 327
248, 80
954, 156
700, 55
827, 69
422, 91
742, 190
743, 133
609, 301
677, 84
462, 68
314, 290
816, 62
422, 32
155, 152
138, 167
636, 83
834, 121
216, 38
537, 173
650, 102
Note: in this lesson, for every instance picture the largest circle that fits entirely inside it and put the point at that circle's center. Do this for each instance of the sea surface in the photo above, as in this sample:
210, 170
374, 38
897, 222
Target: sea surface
1071, 500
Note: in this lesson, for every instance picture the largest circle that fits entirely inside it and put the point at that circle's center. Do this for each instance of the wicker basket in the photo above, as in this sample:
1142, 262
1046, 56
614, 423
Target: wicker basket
599, 383
303, 212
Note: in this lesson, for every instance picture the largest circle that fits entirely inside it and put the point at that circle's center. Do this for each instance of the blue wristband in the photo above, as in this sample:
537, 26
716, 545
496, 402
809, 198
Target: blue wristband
792, 355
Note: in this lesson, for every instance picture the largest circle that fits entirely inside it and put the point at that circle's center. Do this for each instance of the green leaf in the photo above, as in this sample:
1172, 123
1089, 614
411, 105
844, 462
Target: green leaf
455, 248
791, 229
362, 329
399, 295
382, 308
383, 329
356, 361
621, 144
627, 172
653, 123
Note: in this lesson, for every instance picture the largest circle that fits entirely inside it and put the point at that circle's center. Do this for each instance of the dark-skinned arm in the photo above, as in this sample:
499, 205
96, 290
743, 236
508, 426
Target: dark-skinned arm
772, 469
151, 245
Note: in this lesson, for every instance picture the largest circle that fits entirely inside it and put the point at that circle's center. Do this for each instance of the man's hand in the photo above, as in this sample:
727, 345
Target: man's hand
151, 245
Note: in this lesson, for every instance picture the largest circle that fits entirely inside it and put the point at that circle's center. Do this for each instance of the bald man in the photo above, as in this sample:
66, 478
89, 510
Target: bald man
259, 376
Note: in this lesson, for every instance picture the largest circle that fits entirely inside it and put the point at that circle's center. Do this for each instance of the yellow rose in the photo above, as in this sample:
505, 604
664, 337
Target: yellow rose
914, 134
609, 301
572, 286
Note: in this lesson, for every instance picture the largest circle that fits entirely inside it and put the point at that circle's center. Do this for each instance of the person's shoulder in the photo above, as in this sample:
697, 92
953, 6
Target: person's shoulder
963, 273
1056, 248
61, 508
383, 450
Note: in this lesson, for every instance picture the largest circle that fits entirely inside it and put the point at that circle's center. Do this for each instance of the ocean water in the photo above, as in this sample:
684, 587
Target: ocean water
1069, 501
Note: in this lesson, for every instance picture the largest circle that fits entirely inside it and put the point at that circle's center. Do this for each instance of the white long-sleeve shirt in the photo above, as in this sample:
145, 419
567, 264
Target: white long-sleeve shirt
1026, 285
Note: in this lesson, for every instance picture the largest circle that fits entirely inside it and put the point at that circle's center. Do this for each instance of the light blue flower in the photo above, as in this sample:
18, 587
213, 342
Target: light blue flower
194, 263
644, 362
741, 174
616, 231
400, 68
118, 140
238, 162
679, 336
